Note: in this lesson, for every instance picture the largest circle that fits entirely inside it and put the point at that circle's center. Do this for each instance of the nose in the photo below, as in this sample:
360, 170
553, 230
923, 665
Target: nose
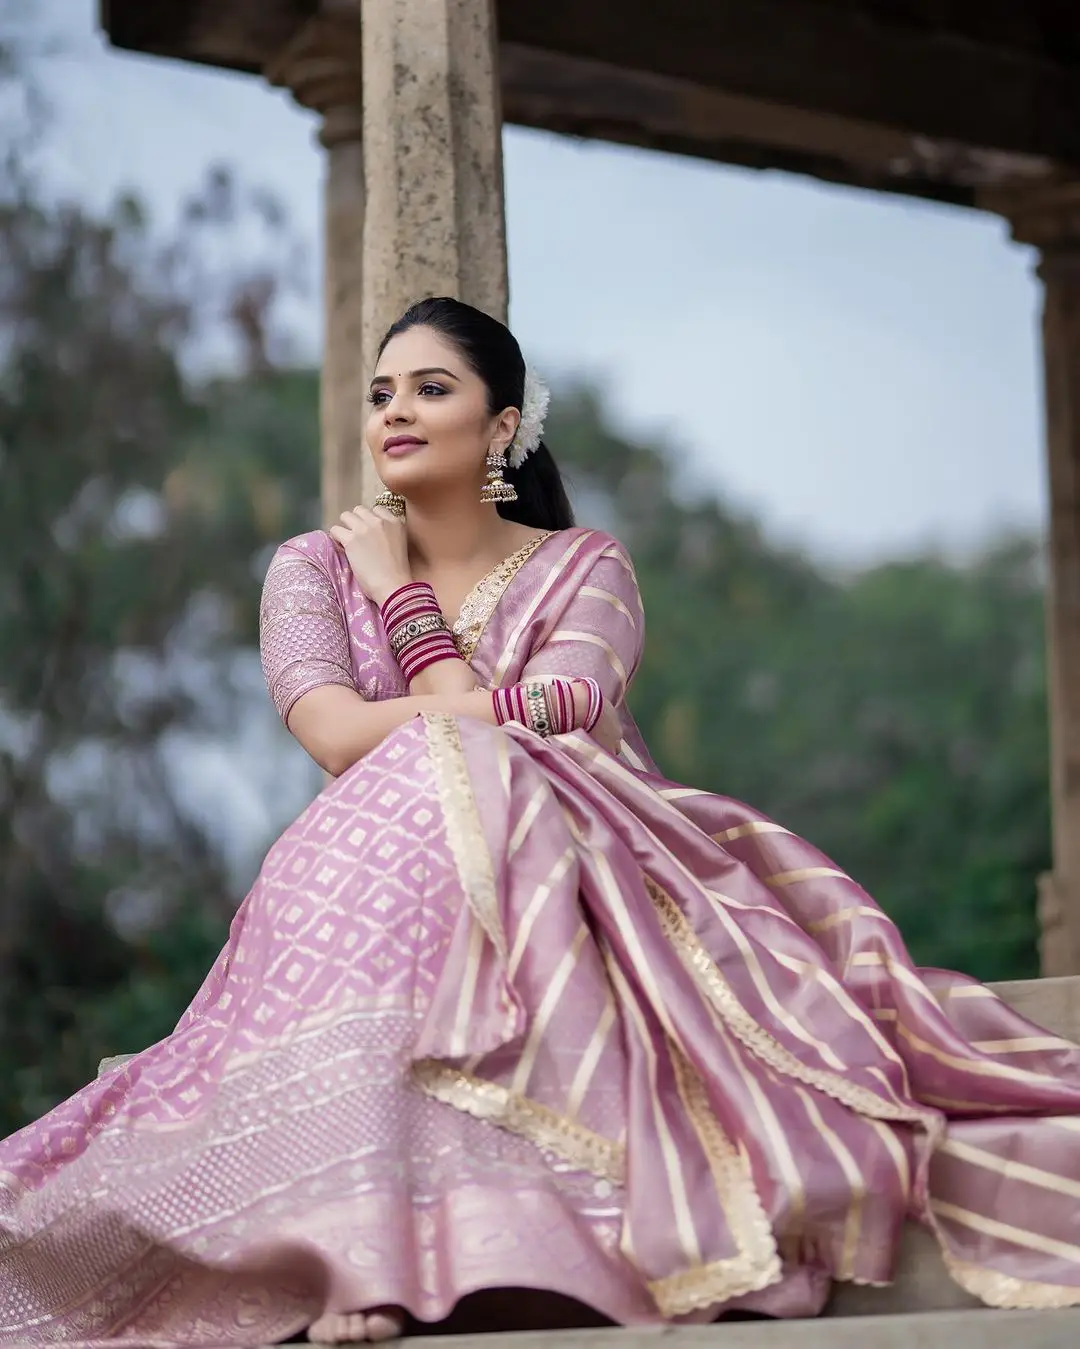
398, 409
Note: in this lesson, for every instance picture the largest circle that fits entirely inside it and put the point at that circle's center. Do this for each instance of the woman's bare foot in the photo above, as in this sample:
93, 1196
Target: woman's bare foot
381, 1323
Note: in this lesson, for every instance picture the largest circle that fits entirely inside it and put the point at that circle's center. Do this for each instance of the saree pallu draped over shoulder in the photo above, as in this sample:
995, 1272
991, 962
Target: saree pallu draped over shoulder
503, 1010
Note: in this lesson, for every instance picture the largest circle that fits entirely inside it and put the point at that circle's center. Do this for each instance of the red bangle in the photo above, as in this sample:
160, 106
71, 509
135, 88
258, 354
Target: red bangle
407, 602
512, 704
596, 703
415, 661
416, 629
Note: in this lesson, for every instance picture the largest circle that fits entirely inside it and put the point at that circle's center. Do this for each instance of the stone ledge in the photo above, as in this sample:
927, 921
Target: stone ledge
942, 1330
931, 1330
922, 1284
1051, 1003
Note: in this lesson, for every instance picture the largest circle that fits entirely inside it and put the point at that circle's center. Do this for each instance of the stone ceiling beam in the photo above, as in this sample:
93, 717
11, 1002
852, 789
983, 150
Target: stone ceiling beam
849, 61
829, 90
595, 100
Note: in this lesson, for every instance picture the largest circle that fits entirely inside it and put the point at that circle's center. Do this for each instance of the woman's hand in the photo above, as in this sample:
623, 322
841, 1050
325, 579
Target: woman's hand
377, 547
608, 729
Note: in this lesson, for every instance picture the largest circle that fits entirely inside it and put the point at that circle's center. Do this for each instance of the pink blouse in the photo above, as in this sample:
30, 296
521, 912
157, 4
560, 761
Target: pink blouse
565, 604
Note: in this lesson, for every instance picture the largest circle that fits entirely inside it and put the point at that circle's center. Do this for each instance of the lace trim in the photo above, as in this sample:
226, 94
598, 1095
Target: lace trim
583, 1149
481, 601
703, 1286
1005, 1291
758, 1263
464, 831
757, 1040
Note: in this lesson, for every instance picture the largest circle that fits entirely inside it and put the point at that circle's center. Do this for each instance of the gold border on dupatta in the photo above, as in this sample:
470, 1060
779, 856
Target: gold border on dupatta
481, 601
486, 1100
537, 1123
1005, 1290
464, 831
717, 992
758, 1263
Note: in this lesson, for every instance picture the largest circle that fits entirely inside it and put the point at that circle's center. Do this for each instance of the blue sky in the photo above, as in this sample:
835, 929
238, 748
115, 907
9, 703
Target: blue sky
861, 371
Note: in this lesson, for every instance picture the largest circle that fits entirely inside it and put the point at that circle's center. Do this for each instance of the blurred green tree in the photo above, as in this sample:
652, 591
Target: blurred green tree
131, 531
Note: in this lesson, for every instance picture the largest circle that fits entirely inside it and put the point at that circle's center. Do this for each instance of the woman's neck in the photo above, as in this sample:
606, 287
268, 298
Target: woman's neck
456, 534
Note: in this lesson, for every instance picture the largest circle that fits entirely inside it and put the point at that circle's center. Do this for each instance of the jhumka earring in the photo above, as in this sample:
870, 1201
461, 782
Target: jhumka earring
390, 501
496, 489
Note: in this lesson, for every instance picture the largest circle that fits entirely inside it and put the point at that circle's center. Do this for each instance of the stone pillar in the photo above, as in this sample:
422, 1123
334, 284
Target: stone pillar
434, 222
322, 68
414, 187
1048, 216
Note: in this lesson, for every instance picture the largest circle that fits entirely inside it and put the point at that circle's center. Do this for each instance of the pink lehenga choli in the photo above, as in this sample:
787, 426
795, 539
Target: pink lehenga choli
505, 1011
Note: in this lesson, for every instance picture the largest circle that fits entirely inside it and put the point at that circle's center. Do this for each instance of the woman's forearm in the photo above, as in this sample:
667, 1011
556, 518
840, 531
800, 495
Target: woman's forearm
444, 677
338, 728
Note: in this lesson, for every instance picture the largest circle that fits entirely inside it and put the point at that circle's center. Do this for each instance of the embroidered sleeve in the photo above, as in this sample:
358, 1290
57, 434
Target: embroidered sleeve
302, 632
600, 632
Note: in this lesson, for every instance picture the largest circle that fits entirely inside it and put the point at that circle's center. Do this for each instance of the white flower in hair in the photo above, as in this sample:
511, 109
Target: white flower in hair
534, 406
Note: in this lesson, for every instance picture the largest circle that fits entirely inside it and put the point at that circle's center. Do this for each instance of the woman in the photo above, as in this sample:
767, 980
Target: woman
505, 1007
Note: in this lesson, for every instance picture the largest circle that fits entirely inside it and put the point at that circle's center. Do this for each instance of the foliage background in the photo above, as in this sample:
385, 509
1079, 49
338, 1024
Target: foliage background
157, 440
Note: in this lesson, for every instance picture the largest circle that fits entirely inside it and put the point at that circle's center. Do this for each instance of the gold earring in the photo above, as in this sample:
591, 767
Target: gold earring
496, 489
390, 501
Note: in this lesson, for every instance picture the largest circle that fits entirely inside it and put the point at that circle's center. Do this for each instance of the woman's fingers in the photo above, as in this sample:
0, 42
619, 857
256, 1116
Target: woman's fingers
362, 518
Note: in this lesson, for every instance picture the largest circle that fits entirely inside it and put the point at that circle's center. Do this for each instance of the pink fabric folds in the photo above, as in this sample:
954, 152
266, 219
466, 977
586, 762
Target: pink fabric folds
503, 1010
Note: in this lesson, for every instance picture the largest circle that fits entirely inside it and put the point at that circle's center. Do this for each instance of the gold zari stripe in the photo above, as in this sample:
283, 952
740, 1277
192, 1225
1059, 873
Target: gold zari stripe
757, 1040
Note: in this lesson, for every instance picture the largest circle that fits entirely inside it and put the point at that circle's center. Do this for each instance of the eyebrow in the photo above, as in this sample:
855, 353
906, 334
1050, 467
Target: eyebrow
415, 374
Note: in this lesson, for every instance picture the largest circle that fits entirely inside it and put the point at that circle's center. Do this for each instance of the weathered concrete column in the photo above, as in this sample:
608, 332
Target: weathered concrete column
322, 67
1048, 216
434, 222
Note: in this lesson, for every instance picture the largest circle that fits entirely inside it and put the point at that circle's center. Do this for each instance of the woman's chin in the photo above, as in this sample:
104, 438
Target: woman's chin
409, 480
394, 480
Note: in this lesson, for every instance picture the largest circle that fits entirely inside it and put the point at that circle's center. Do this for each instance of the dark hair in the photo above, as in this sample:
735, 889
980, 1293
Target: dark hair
492, 352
